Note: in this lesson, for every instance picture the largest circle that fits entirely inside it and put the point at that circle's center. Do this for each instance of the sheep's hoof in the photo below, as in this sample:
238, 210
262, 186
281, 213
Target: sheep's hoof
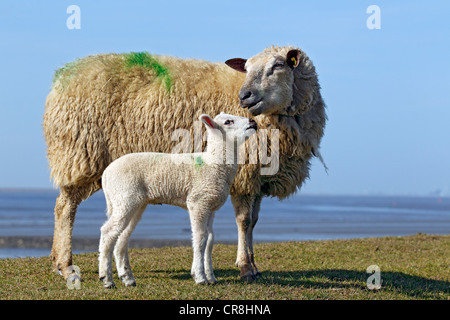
247, 273
66, 272
248, 277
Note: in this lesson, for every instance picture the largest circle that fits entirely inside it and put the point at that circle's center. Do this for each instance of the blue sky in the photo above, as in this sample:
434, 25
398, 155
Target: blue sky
387, 91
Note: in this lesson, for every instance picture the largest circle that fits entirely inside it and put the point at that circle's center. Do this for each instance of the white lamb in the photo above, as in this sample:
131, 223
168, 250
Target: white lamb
197, 182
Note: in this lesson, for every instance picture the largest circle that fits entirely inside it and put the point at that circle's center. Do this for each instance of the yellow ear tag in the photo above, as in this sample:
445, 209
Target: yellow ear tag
294, 60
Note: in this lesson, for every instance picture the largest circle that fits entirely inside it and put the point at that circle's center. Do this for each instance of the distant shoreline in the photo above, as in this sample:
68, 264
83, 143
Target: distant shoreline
42, 242
306, 194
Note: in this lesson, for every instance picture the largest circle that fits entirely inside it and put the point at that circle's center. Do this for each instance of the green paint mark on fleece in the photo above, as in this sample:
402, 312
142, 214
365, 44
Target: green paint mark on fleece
66, 73
146, 60
198, 161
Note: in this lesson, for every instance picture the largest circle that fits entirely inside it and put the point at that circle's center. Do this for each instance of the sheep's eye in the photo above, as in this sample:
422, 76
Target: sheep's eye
229, 122
278, 66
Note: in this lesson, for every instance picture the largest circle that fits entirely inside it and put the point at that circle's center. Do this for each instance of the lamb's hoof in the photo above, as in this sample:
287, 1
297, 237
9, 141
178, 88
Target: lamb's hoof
201, 280
107, 284
128, 282
212, 280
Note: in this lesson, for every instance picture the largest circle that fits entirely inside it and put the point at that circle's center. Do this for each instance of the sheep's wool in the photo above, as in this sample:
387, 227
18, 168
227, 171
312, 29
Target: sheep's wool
104, 106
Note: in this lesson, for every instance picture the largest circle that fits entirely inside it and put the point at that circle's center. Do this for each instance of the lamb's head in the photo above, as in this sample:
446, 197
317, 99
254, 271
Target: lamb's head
280, 80
231, 127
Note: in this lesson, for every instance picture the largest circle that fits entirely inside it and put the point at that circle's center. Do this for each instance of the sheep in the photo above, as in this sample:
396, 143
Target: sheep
202, 186
104, 106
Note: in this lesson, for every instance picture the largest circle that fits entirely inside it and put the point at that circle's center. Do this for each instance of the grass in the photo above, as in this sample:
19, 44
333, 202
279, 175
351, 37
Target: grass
413, 267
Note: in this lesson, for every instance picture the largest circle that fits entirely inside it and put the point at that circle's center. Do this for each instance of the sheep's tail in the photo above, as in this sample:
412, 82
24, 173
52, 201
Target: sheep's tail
317, 154
323, 162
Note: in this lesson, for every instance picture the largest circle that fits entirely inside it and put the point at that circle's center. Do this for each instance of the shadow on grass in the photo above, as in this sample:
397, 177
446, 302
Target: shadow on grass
395, 282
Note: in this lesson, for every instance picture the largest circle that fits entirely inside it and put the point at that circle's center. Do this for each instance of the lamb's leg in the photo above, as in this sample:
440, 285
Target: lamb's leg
208, 252
65, 210
119, 218
199, 223
243, 207
255, 214
121, 250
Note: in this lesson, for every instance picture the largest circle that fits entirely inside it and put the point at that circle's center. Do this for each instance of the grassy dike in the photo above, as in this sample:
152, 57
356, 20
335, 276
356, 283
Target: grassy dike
413, 267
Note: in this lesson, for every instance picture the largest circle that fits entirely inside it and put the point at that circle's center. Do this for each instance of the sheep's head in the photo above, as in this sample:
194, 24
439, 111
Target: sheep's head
232, 127
275, 81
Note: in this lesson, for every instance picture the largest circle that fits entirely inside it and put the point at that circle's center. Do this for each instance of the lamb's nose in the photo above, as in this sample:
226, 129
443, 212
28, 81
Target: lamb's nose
253, 124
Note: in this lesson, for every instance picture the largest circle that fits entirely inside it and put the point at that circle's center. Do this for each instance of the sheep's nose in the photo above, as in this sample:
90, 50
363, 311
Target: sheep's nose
248, 98
244, 95
253, 124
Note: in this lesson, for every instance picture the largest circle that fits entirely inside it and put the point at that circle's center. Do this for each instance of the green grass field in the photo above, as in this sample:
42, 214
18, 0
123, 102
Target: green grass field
414, 267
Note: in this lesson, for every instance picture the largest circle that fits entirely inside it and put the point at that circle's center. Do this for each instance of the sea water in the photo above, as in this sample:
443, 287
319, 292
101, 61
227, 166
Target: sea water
301, 217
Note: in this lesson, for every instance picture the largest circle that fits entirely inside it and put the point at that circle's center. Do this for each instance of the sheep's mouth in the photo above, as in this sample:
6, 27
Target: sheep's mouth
253, 126
257, 108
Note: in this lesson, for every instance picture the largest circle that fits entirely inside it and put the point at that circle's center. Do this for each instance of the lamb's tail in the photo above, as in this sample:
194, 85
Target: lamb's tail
105, 192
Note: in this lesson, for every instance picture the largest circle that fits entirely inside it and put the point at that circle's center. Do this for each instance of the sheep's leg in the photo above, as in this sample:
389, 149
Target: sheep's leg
199, 223
243, 207
254, 219
121, 250
65, 210
208, 253
119, 218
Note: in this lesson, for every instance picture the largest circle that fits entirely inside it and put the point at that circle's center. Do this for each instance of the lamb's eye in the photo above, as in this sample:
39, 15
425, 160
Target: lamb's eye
228, 122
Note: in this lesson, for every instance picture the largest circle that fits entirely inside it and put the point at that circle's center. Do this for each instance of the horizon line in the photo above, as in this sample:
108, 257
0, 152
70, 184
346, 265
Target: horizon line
299, 193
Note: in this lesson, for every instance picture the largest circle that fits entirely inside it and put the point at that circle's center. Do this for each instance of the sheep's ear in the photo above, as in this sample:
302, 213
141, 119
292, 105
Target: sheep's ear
208, 121
293, 58
237, 64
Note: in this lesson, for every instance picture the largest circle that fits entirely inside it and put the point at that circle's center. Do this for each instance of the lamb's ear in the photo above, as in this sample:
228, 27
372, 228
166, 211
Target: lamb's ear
208, 121
293, 58
237, 64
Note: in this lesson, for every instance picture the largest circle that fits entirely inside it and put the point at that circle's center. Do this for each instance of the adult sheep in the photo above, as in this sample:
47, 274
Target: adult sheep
104, 106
